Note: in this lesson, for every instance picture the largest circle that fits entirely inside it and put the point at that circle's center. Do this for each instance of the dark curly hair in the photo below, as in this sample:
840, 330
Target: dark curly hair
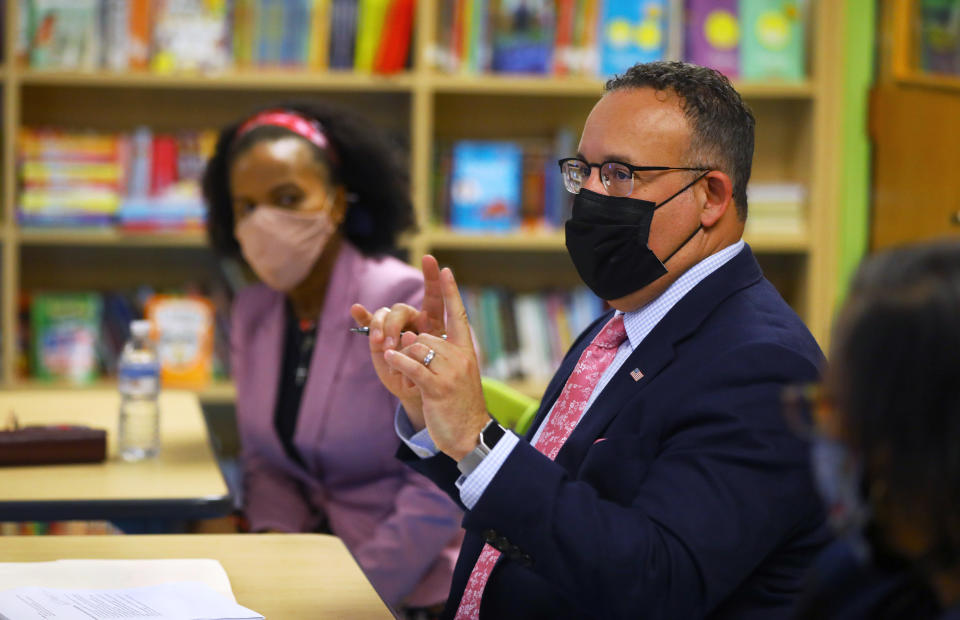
722, 124
369, 166
894, 375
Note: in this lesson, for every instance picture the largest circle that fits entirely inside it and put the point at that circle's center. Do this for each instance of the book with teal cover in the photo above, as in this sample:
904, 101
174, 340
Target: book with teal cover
485, 186
632, 31
773, 43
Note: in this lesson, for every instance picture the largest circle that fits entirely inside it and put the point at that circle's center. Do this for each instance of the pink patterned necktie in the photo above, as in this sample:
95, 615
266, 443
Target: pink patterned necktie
566, 413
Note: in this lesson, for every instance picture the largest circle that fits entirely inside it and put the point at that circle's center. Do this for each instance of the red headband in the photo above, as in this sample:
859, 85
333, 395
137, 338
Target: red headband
305, 128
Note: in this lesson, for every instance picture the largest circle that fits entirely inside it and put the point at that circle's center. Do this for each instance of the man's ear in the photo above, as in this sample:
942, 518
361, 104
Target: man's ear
718, 197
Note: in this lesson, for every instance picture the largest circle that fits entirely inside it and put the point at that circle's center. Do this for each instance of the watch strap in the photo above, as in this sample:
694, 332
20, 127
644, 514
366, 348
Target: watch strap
489, 436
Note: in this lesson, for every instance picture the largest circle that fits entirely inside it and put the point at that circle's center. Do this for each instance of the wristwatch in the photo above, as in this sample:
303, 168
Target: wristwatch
489, 437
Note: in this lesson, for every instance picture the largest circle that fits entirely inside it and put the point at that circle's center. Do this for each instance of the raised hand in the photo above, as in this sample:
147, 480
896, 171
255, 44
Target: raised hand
396, 327
449, 382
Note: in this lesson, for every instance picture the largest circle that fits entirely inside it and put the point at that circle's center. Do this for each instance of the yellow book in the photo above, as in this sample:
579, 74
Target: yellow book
318, 54
370, 18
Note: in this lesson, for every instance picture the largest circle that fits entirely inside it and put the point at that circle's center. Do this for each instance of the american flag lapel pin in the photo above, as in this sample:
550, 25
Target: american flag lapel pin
636, 374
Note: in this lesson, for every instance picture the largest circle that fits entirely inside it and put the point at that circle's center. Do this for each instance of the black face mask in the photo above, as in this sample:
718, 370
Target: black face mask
607, 241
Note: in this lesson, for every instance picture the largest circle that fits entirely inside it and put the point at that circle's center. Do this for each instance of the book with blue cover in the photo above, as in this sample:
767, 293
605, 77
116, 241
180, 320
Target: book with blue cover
523, 33
632, 31
485, 186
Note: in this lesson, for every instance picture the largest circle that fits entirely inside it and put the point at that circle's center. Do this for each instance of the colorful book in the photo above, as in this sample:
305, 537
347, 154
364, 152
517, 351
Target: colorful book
318, 39
773, 39
63, 34
184, 325
485, 186
713, 35
394, 49
940, 36
190, 35
343, 30
65, 329
370, 23
632, 31
523, 36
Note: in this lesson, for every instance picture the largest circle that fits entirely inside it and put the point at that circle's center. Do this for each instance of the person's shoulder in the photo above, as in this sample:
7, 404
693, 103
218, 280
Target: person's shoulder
842, 585
758, 315
254, 300
383, 280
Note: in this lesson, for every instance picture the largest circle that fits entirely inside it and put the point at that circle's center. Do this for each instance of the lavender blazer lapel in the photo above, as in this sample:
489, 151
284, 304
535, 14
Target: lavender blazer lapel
327, 362
263, 374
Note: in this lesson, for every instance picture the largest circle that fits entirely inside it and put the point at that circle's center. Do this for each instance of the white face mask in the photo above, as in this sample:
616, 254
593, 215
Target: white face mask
282, 245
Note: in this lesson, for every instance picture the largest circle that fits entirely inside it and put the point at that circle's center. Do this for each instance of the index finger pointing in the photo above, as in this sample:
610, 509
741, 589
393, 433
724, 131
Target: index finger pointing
458, 327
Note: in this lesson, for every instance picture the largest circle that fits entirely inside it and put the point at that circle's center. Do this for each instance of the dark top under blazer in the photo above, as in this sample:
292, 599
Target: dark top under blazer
681, 495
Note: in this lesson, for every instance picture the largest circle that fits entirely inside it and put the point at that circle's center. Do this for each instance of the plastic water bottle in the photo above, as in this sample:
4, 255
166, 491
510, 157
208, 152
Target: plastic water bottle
139, 377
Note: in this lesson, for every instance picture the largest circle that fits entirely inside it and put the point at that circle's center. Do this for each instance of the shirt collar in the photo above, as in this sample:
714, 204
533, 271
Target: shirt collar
639, 323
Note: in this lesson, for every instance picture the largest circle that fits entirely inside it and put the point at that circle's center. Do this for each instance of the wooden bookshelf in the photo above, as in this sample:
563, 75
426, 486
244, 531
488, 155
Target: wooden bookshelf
914, 195
796, 137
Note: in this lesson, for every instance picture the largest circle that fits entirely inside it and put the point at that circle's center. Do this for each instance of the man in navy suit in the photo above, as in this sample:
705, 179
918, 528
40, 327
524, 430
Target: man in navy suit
659, 479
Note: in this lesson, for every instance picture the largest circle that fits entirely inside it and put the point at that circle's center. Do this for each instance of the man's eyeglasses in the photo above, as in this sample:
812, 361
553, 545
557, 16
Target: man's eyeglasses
616, 176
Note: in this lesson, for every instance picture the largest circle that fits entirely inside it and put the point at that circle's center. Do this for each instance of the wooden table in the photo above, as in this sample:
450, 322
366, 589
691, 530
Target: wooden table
183, 482
282, 576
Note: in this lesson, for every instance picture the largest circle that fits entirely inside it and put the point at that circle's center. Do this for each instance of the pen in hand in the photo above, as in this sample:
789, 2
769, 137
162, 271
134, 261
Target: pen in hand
365, 331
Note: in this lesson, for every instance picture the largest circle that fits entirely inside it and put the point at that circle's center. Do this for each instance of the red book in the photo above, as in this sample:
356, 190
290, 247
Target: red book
395, 38
564, 40
163, 172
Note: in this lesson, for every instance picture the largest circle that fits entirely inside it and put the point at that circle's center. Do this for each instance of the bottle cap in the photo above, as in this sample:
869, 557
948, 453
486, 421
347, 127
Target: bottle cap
140, 329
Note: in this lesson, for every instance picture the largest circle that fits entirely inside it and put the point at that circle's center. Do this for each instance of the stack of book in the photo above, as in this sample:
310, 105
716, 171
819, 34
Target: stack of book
776, 209
753, 39
489, 187
69, 179
139, 182
167, 36
524, 336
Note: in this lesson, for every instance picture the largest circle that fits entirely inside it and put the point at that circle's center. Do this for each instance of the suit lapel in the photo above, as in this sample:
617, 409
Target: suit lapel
656, 351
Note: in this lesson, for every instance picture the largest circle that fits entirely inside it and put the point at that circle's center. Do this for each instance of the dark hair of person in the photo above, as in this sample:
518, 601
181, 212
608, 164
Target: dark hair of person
721, 123
895, 378
368, 165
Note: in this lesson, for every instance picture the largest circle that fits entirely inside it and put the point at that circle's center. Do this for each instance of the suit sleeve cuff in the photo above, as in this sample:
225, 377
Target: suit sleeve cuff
419, 442
472, 487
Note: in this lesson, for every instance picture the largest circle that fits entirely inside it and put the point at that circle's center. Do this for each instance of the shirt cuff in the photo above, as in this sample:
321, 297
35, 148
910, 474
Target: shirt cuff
419, 442
472, 486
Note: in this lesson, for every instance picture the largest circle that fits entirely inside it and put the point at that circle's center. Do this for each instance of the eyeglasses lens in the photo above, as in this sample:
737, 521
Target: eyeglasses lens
617, 179
574, 174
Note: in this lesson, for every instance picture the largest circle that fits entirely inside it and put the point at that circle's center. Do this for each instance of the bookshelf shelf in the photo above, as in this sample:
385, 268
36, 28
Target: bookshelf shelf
531, 241
778, 243
239, 80
112, 238
939, 82
585, 87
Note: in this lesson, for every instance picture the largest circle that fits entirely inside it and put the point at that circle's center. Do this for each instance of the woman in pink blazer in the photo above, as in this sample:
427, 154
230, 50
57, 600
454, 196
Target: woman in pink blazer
312, 199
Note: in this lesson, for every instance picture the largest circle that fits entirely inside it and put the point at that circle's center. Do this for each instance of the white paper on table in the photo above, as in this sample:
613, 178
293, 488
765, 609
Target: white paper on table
114, 574
185, 600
